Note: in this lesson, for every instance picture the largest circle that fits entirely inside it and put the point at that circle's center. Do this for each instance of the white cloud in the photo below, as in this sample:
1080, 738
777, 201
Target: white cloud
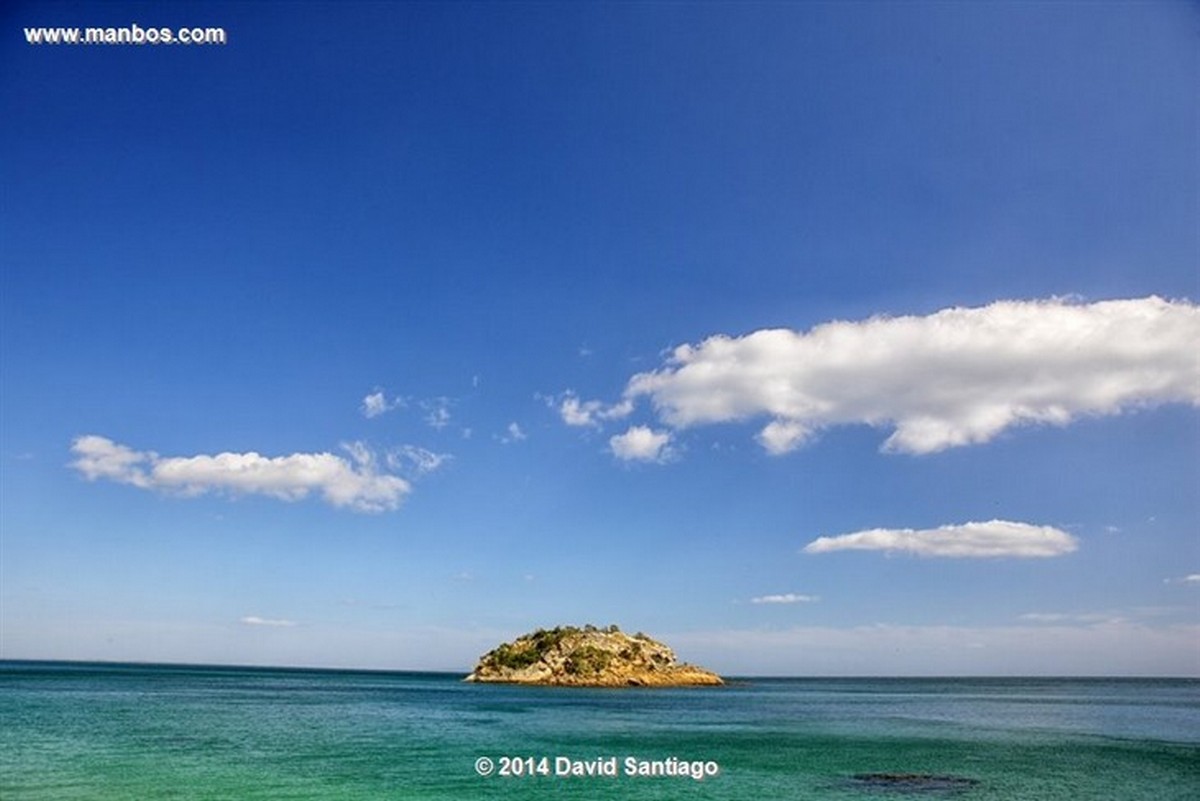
374, 405
377, 403
513, 434
420, 460
781, 436
958, 377
355, 483
255, 620
969, 540
100, 457
641, 444
1070, 617
575, 412
1193, 578
785, 598
438, 412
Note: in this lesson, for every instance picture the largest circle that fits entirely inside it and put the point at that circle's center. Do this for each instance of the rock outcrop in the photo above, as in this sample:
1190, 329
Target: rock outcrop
913, 782
588, 657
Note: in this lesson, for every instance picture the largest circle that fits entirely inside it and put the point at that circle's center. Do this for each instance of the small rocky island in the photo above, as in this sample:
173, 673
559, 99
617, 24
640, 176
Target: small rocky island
588, 657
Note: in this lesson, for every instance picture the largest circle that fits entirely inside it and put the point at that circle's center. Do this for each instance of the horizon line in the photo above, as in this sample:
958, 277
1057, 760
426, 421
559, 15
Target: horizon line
733, 677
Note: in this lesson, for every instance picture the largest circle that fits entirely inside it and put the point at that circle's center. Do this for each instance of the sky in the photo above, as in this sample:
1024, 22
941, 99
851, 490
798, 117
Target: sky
813, 339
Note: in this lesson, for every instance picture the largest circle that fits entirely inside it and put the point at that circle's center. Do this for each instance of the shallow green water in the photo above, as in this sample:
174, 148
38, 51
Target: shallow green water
81, 731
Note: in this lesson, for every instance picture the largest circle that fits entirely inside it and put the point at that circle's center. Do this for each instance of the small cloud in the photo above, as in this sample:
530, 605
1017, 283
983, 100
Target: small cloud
377, 403
1069, 617
417, 459
1193, 578
465, 575
785, 598
782, 436
255, 620
1045, 617
513, 434
642, 444
995, 538
437, 412
575, 412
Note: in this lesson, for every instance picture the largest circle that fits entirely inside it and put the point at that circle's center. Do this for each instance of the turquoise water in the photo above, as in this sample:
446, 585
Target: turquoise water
86, 731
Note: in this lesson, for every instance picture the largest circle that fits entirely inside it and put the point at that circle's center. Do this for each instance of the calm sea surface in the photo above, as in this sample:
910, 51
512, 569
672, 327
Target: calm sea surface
89, 731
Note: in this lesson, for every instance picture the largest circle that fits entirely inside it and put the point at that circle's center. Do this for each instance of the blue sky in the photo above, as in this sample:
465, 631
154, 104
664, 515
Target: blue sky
812, 338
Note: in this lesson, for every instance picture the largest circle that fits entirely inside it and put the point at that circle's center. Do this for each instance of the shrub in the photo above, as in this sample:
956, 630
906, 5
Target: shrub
514, 657
587, 660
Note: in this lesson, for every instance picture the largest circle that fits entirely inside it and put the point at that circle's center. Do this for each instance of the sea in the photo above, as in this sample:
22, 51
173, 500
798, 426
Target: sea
142, 732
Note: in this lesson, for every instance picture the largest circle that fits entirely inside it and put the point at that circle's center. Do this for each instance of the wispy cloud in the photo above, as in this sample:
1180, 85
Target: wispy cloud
354, 483
995, 538
437, 412
417, 459
255, 620
377, 403
642, 444
1193, 579
958, 377
592, 413
785, 598
512, 434
1071, 617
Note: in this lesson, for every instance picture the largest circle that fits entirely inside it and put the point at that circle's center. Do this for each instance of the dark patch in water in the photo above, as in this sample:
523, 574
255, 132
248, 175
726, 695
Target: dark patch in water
914, 783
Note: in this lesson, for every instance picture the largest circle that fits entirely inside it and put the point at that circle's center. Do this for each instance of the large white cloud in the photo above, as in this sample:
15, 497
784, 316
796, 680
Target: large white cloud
968, 540
957, 377
355, 483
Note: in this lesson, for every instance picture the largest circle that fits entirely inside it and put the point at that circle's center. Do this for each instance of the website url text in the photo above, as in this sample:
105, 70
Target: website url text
131, 35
